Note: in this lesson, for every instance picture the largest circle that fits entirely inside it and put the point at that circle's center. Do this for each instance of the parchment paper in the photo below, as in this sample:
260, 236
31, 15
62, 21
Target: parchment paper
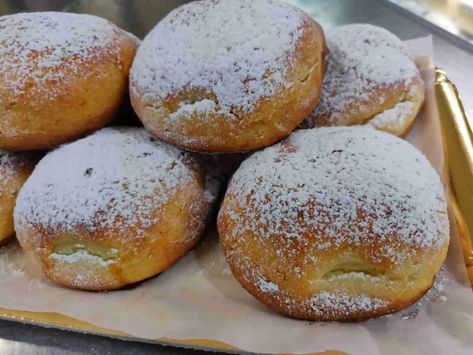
198, 298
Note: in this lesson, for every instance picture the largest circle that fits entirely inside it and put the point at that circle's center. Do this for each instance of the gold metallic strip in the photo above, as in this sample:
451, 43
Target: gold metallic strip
61, 321
458, 142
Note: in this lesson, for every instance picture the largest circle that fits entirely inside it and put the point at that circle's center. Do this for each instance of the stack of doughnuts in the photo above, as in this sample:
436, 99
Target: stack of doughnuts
324, 223
61, 76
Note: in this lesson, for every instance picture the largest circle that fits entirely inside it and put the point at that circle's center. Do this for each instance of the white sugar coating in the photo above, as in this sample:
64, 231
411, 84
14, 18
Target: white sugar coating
394, 117
81, 256
326, 302
40, 48
377, 54
267, 286
237, 51
321, 180
186, 110
356, 275
362, 59
116, 178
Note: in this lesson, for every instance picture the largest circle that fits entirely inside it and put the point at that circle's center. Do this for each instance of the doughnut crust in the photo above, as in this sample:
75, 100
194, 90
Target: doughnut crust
240, 76
15, 168
370, 79
113, 209
62, 75
342, 223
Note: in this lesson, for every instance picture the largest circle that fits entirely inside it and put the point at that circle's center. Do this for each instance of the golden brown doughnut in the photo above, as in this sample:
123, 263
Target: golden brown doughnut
62, 75
370, 79
340, 223
15, 168
112, 209
228, 76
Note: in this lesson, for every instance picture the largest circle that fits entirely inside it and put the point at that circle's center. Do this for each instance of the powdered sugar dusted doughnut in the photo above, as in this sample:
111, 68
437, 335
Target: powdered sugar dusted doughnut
112, 209
228, 76
61, 75
370, 80
342, 223
15, 167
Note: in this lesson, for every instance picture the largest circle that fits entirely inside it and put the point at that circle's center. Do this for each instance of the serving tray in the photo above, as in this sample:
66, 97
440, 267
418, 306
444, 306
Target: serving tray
198, 304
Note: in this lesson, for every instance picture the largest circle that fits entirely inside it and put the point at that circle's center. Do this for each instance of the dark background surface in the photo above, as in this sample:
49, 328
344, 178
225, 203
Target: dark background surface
138, 17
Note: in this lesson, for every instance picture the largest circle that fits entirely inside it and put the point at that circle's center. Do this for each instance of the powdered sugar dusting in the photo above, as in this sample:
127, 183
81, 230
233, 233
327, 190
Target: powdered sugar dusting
394, 117
328, 302
267, 286
318, 182
362, 60
81, 256
202, 107
116, 178
40, 50
235, 52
